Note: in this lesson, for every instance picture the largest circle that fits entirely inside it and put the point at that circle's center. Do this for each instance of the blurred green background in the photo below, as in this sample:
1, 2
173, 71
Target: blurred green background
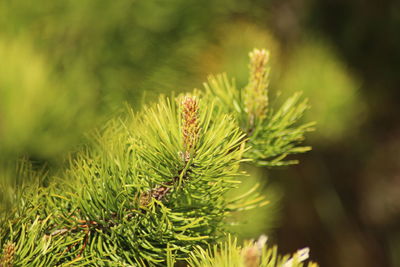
67, 66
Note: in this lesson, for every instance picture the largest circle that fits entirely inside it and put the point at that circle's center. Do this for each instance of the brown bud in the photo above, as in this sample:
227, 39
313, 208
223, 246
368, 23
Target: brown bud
144, 199
256, 94
251, 257
190, 125
160, 192
7, 259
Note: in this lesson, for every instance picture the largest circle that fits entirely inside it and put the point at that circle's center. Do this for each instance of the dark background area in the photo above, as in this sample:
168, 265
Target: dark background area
345, 198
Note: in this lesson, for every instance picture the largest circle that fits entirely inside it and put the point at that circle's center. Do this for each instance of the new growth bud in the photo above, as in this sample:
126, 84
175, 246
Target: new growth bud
252, 254
251, 257
7, 260
190, 125
256, 94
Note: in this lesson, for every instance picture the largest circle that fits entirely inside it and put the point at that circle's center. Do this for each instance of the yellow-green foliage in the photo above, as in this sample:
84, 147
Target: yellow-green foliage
251, 254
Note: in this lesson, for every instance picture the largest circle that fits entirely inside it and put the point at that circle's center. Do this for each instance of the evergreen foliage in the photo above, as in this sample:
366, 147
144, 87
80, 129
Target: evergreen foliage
151, 187
273, 132
252, 254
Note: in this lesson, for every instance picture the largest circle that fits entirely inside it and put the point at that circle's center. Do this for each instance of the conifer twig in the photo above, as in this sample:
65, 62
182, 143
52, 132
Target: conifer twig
190, 135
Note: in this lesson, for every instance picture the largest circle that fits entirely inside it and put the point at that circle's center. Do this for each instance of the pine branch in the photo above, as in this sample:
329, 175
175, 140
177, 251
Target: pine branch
251, 254
104, 203
273, 132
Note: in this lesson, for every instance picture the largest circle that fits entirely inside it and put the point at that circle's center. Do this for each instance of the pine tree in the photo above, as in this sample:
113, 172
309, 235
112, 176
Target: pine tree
150, 188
